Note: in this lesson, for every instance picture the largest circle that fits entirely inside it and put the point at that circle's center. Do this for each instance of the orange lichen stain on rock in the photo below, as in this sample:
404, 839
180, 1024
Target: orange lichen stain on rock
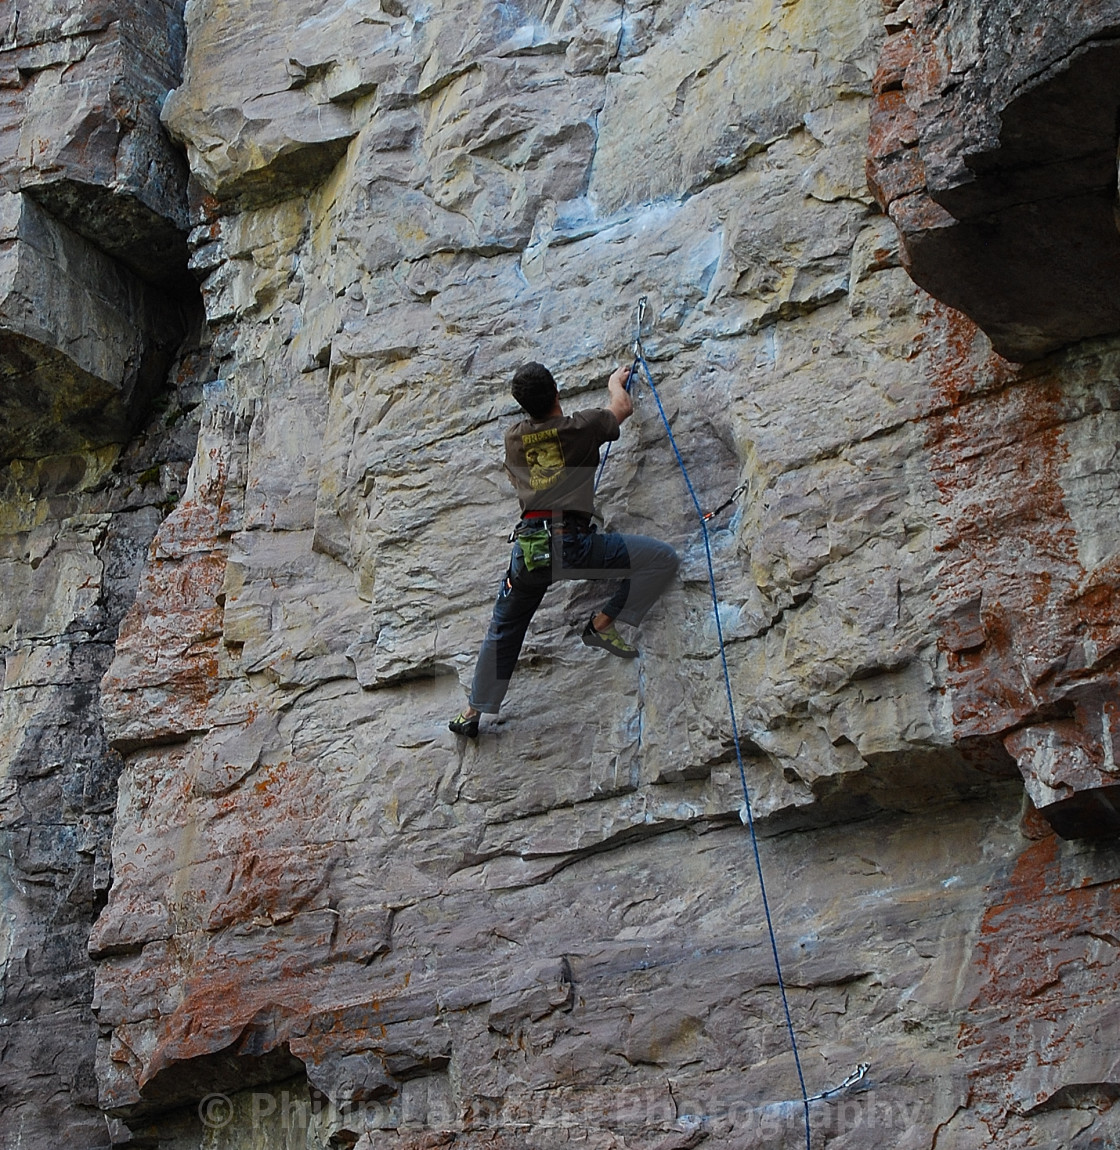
1097, 601
166, 672
1006, 535
892, 125
270, 783
896, 56
176, 608
359, 1022
894, 165
1037, 945
960, 363
249, 991
284, 847
225, 1006
249, 906
1033, 825
271, 885
192, 526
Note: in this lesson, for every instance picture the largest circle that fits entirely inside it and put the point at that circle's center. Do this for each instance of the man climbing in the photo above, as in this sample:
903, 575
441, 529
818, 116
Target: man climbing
551, 459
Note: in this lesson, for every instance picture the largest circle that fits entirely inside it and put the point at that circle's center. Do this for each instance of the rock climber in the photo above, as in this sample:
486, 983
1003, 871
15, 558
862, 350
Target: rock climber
551, 458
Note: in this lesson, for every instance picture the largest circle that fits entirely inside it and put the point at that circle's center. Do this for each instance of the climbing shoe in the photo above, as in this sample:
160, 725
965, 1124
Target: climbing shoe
461, 725
609, 640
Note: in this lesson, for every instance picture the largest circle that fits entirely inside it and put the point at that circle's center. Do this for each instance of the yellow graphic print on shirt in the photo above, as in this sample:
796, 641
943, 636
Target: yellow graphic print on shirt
544, 458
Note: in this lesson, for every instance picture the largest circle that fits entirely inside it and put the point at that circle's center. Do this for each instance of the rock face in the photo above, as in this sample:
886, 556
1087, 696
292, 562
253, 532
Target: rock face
92, 315
83, 92
331, 923
92, 216
74, 531
993, 148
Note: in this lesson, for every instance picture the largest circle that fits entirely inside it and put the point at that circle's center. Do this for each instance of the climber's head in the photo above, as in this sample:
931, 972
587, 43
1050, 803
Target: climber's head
535, 389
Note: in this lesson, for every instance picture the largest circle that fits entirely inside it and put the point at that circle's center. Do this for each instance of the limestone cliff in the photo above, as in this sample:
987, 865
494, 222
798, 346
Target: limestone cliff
330, 922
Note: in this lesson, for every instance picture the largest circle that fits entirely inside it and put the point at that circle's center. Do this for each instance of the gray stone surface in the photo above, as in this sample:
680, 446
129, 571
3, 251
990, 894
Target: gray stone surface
330, 922
93, 216
92, 314
80, 128
556, 928
86, 343
74, 532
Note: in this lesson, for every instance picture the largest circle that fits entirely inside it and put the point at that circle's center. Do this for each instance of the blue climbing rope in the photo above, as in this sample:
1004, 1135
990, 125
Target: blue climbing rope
640, 361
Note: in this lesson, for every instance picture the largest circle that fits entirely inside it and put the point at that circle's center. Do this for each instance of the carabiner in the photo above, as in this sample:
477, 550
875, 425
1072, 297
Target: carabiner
638, 333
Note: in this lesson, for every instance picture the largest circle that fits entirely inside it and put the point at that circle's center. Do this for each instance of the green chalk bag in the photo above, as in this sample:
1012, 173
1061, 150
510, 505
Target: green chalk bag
536, 547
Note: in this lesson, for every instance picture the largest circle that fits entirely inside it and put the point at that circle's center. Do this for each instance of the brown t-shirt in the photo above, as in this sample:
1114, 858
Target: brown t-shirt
552, 462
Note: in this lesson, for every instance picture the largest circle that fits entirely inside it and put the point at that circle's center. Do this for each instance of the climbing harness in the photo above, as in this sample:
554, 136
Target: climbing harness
746, 813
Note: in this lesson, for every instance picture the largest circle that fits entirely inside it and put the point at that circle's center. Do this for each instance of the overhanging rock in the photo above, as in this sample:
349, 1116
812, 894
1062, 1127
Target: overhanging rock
84, 342
93, 220
993, 148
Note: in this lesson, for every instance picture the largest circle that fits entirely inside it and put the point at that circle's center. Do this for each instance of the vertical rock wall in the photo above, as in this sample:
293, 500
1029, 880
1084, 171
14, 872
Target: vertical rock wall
92, 221
333, 924
993, 147
74, 530
95, 441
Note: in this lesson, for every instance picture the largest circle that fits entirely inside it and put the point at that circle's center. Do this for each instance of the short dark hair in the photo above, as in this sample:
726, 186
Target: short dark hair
535, 389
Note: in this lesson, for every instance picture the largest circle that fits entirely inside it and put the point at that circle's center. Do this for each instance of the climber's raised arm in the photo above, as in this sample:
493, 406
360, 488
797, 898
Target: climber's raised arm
620, 405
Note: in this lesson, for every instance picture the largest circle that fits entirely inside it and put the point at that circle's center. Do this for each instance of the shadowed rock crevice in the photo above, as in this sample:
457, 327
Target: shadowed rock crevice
75, 532
1039, 217
86, 345
152, 246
